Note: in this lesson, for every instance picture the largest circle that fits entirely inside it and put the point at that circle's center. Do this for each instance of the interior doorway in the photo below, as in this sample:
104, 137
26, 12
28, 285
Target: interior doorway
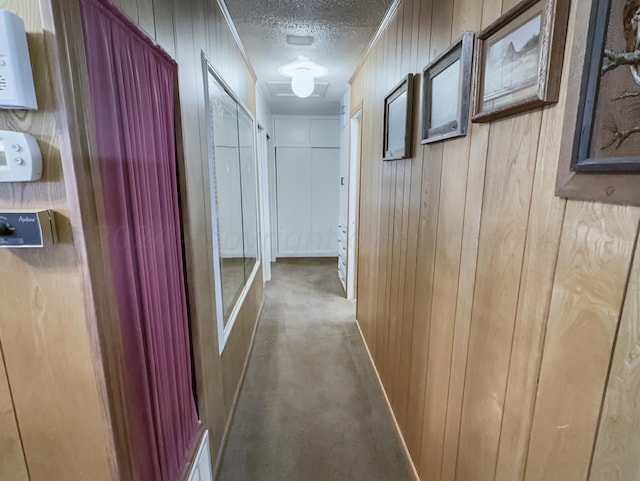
354, 196
265, 210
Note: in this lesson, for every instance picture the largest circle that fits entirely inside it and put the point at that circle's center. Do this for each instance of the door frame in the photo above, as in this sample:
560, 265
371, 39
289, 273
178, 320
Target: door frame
353, 213
265, 207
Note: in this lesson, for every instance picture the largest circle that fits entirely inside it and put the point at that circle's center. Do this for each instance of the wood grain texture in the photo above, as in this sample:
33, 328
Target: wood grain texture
445, 274
426, 220
467, 16
593, 263
457, 306
51, 352
464, 304
12, 463
616, 452
509, 175
184, 31
543, 238
412, 196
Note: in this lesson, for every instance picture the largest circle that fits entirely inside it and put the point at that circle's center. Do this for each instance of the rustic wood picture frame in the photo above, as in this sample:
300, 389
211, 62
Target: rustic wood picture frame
459, 51
538, 87
590, 182
400, 98
597, 63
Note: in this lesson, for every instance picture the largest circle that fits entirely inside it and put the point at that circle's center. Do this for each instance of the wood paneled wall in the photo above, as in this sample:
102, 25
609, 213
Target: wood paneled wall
185, 30
55, 417
54, 422
492, 308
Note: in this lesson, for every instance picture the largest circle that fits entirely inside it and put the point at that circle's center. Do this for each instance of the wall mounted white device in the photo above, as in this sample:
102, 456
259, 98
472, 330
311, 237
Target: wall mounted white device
20, 158
27, 228
17, 90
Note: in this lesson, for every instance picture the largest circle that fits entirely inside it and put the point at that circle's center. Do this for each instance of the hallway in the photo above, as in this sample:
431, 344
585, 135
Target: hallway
310, 408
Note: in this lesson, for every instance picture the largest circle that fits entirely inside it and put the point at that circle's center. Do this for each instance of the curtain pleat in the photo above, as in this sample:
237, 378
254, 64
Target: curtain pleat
133, 89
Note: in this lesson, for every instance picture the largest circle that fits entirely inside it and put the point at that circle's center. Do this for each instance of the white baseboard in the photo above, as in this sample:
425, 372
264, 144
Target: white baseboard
308, 254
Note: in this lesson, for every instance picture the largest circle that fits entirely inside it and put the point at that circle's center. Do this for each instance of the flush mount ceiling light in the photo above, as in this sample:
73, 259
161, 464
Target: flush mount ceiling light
302, 73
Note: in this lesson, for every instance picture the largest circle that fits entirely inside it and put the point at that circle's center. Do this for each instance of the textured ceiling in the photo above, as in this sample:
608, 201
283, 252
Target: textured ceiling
341, 29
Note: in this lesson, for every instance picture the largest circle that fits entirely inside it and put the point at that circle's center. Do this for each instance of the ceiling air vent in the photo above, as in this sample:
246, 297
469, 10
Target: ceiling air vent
283, 89
299, 39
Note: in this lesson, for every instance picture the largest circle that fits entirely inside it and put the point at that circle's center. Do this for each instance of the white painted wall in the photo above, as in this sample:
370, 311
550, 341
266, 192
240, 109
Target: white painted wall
263, 113
344, 161
307, 185
266, 180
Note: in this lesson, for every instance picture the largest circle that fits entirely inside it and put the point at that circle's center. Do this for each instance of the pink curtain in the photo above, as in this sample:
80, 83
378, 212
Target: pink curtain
132, 86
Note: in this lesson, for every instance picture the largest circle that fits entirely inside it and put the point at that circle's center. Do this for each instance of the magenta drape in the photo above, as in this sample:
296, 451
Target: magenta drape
133, 88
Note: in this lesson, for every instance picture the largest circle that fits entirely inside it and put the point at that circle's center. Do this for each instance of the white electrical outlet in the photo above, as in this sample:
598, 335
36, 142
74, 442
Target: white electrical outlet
17, 90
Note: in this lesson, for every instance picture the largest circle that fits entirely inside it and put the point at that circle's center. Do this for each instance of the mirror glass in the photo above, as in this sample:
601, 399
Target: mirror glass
224, 116
234, 199
248, 184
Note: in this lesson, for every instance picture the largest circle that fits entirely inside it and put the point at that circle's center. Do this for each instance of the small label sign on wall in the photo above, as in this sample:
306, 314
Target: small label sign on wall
27, 229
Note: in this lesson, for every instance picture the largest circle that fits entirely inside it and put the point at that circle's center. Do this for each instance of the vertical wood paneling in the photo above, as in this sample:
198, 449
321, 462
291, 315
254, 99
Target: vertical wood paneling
509, 175
543, 238
52, 362
426, 223
164, 25
593, 263
397, 251
447, 255
467, 16
413, 210
478, 284
184, 30
146, 17
464, 304
381, 212
13, 465
130, 7
616, 454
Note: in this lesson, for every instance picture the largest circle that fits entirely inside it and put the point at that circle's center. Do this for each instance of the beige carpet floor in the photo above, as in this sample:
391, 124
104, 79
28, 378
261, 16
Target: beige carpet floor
310, 408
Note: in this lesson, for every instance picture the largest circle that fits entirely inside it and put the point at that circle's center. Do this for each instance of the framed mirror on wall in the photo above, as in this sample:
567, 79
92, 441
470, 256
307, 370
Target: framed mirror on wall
234, 198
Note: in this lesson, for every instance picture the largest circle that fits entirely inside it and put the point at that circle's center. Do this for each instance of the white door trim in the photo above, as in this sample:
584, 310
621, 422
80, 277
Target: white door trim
355, 153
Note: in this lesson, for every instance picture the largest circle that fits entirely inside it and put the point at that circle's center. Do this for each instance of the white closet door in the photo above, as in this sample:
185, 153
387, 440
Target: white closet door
325, 200
293, 178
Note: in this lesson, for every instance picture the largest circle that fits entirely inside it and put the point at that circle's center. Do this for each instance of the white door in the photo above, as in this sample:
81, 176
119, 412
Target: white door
293, 181
307, 201
325, 200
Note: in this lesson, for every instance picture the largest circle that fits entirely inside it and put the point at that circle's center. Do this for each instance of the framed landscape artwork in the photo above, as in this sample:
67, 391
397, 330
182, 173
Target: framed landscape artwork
398, 112
446, 87
519, 59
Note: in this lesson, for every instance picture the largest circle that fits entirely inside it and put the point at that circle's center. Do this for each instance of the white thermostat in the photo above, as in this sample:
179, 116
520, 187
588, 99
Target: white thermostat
20, 158
17, 90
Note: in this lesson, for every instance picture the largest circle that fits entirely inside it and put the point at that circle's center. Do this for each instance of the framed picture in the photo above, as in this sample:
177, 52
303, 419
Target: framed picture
600, 148
398, 112
519, 59
446, 87
607, 134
